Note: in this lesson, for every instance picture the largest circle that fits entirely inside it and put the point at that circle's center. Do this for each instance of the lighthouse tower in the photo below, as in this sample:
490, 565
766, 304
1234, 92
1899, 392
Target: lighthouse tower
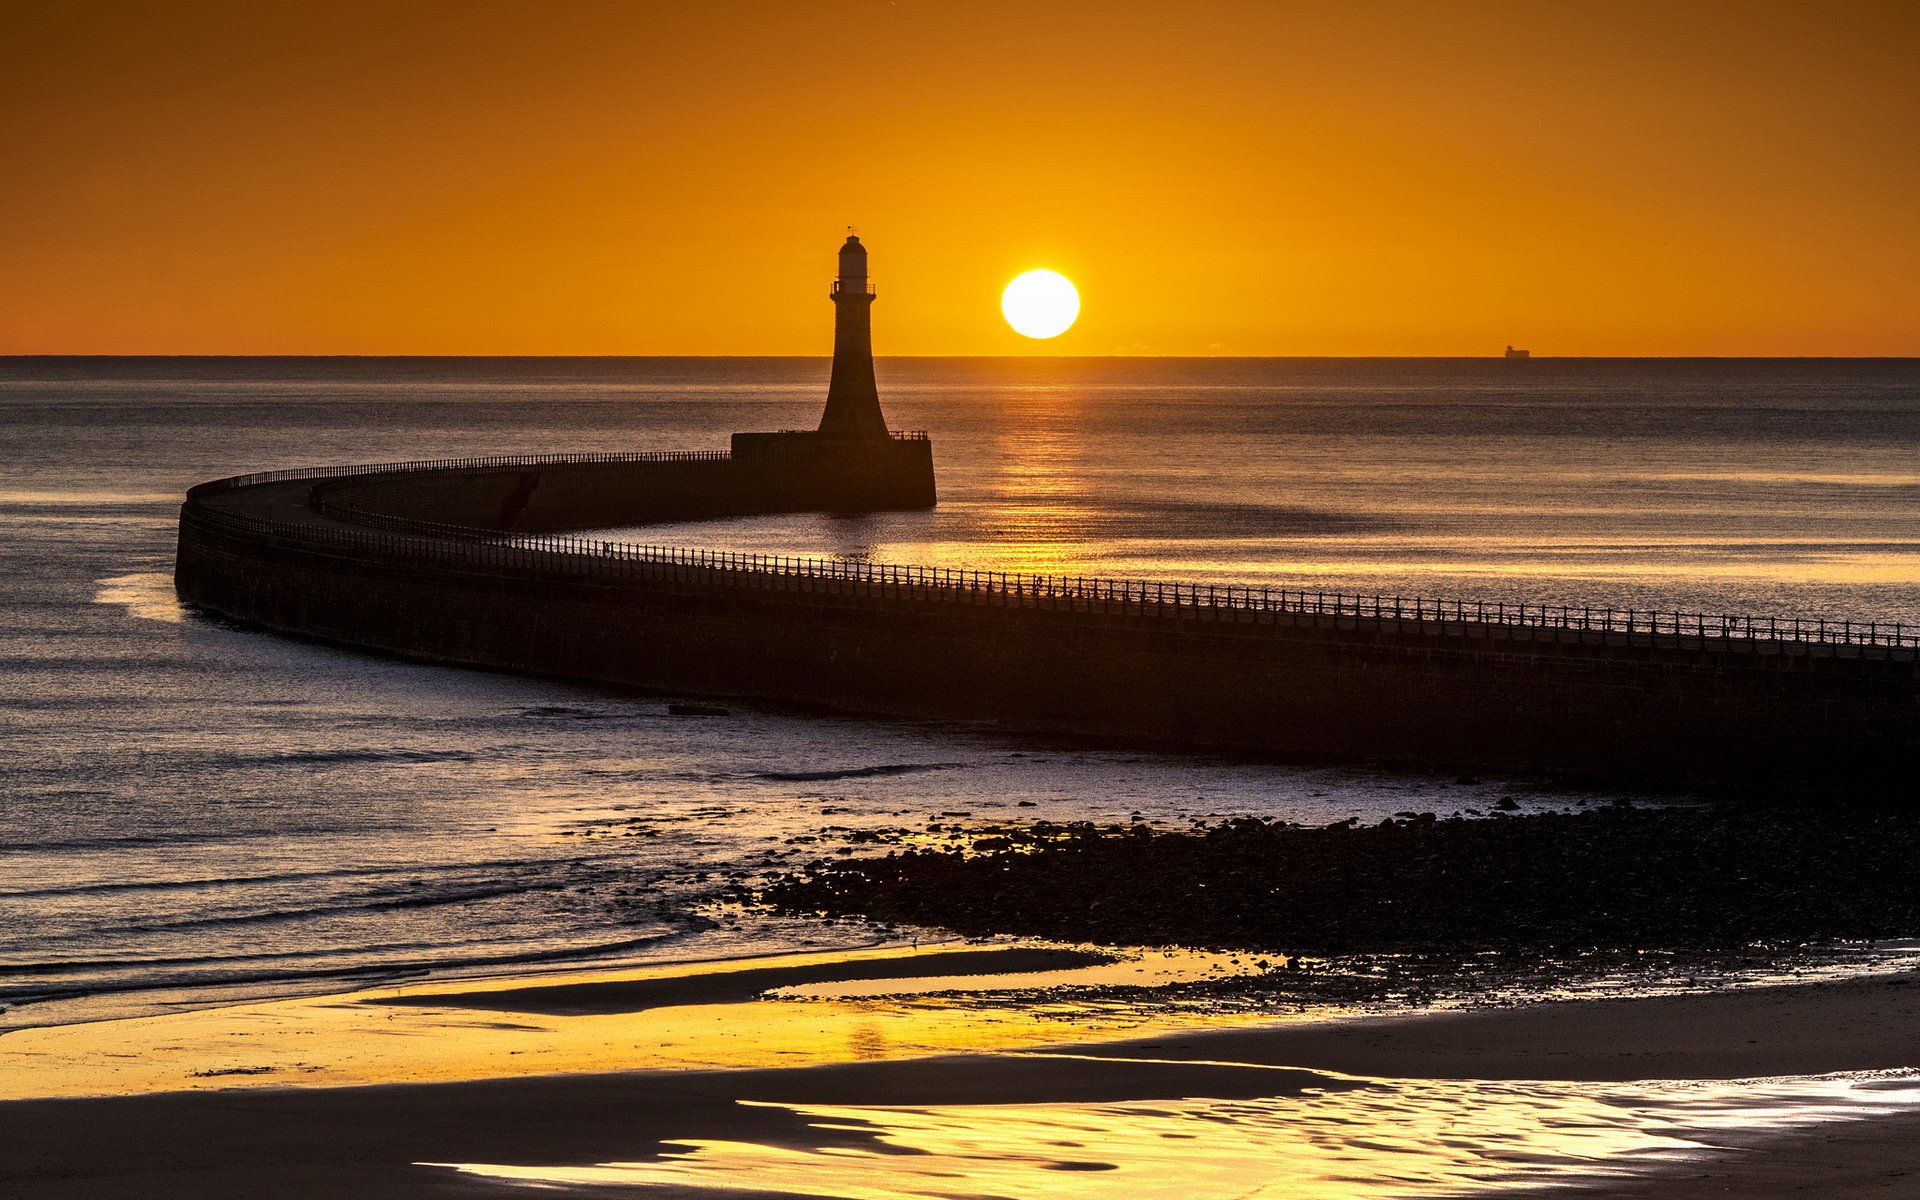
852, 463
853, 402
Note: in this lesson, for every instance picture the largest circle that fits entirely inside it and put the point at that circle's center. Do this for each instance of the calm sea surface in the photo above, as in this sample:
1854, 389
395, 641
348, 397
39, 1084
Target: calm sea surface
190, 811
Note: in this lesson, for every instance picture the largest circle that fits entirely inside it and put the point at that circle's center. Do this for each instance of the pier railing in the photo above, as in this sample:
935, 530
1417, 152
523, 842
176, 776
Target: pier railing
574, 554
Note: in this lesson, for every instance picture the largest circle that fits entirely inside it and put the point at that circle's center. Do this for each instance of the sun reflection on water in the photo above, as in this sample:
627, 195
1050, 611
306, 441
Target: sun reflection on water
147, 595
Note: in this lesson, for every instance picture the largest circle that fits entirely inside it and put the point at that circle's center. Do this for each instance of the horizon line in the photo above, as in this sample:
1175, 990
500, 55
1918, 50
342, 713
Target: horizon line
1496, 357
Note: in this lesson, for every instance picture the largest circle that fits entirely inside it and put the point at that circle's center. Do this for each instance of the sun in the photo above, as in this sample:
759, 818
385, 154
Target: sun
1041, 304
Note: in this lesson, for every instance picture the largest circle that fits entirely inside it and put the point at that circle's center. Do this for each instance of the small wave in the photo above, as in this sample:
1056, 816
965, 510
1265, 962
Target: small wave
381, 904
848, 773
564, 712
117, 668
1204, 520
125, 841
37, 994
364, 953
359, 954
310, 758
410, 870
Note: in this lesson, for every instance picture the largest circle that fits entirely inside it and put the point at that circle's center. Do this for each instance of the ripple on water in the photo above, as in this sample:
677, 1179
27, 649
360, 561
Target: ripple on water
1374, 1138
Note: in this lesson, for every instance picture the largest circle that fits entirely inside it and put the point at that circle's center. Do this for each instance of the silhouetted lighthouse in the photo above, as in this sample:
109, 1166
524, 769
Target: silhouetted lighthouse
853, 402
852, 463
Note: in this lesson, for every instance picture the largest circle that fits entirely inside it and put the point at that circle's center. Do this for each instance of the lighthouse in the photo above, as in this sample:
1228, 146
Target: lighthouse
853, 402
852, 462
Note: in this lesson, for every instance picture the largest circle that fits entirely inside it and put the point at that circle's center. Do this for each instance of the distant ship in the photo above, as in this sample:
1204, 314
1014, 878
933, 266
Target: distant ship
1512, 353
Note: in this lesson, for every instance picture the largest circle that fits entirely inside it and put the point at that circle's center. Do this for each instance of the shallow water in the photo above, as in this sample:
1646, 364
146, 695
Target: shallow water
194, 812
1348, 1137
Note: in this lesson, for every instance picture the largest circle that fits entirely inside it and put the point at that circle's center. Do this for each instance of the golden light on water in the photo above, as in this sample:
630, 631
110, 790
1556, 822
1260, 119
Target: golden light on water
1346, 1139
330, 1041
1229, 1129
1041, 304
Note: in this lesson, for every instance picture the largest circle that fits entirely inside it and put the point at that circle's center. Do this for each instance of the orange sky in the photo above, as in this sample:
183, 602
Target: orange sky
614, 178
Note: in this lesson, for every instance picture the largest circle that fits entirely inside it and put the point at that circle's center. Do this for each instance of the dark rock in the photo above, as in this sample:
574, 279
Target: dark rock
1606, 878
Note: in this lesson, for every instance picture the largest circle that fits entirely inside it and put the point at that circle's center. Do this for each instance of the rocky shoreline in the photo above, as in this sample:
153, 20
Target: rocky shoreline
1714, 879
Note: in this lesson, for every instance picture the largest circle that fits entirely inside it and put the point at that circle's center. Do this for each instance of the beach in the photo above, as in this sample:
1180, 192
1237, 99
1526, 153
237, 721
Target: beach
709, 1104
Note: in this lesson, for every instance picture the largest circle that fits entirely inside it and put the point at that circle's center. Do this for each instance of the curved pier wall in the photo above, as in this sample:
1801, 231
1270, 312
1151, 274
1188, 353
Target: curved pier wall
1606, 706
764, 474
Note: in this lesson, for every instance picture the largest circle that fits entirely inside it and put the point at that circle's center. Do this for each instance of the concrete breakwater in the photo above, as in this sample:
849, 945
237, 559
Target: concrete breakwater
460, 562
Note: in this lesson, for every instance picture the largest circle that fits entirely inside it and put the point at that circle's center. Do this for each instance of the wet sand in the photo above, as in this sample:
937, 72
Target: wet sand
1863, 1024
250, 1140
1865, 1160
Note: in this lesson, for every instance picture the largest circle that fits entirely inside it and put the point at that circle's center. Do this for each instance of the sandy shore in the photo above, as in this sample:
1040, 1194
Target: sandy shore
250, 1140
1867, 1024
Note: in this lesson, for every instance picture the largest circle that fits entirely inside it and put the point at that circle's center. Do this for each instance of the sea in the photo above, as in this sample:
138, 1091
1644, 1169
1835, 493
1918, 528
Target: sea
193, 812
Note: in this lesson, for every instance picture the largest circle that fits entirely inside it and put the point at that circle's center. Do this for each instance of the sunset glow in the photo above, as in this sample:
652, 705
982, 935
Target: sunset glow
1235, 179
713, 597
